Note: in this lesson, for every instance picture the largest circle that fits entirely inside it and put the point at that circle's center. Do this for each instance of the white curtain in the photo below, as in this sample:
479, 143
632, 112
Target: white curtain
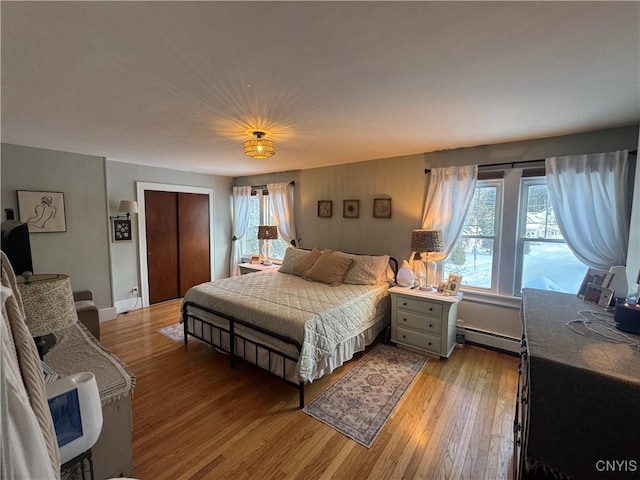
448, 198
590, 195
281, 198
241, 201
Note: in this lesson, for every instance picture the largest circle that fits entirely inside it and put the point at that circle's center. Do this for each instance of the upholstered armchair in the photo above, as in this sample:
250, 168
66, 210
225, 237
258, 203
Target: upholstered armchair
87, 311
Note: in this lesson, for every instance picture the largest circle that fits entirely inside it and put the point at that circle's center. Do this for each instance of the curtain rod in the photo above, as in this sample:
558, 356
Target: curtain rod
523, 162
264, 187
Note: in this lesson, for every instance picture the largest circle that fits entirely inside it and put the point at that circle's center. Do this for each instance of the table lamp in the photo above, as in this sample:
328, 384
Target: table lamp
426, 241
266, 233
48, 306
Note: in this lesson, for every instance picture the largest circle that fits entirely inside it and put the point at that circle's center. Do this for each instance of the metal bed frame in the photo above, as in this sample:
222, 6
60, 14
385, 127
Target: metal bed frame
235, 338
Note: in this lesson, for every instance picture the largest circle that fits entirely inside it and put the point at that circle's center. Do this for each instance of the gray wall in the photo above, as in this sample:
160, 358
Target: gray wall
121, 180
82, 251
403, 180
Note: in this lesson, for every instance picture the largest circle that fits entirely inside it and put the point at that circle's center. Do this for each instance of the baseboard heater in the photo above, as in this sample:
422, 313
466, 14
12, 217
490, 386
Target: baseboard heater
492, 340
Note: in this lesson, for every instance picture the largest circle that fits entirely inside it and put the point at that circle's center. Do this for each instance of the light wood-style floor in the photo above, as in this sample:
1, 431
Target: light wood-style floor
195, 418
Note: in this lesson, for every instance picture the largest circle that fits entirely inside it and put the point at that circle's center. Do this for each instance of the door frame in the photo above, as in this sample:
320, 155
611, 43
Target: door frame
141, 187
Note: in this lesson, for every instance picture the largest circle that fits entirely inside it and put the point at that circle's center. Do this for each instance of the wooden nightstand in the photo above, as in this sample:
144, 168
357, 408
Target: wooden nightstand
255, 267
422, 321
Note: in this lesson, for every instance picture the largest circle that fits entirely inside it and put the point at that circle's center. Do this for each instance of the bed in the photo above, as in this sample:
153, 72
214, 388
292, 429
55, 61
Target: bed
298, 322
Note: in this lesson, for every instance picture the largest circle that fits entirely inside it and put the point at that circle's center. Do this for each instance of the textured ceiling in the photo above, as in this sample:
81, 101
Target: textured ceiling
179, 84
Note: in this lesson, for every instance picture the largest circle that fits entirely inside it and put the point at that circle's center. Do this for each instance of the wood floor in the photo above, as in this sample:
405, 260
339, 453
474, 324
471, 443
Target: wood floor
194, 418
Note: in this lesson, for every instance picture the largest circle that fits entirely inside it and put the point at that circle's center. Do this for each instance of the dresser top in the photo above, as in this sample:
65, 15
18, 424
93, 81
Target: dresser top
415, 292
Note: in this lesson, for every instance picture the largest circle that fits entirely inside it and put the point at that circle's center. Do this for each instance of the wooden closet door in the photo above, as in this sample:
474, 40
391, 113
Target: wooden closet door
194, 248
161, 211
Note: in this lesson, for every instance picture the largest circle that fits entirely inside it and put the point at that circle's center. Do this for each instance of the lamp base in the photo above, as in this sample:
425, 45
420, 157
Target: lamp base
44, 344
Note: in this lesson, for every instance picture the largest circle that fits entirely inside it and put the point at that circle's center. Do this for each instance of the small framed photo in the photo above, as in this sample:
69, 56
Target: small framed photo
600, 278
598, 296
453, 284
382, 208
351, 208
121, 230
325, 208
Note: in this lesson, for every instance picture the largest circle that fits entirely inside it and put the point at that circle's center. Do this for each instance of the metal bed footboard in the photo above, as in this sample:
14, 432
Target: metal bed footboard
234, 338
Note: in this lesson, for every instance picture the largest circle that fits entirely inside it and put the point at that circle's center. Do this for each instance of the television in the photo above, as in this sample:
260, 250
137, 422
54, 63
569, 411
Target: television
74, 402
16, 244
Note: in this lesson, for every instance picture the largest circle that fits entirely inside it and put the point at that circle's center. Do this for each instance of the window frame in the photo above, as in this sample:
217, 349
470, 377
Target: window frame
265, 214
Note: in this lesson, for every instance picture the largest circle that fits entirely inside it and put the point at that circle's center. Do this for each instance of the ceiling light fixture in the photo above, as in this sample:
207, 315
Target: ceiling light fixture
259, 147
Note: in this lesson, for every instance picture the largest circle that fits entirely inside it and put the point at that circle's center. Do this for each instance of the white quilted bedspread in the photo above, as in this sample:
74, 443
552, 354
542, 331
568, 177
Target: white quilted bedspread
316, 315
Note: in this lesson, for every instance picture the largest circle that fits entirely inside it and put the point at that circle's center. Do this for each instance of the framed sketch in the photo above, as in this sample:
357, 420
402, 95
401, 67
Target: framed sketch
597, 277
382, 208
598, 296
42, 211
325, 208
121, 230
351, 208
453, 284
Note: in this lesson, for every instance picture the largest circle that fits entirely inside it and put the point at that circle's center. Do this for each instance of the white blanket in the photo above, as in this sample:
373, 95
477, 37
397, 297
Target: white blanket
317, 316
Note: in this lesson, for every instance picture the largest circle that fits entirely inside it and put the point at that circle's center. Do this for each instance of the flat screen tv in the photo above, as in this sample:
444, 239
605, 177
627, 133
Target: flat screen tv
16, 244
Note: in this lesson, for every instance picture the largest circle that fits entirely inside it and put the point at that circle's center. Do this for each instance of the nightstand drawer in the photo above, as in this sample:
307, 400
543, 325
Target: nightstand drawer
419, 340
423, 323
420, 306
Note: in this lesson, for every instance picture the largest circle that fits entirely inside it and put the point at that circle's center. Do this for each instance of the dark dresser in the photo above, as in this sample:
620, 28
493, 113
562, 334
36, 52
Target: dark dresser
578, 406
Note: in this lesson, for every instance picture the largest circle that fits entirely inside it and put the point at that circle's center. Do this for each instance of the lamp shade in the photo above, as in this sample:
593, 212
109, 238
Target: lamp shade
428, 241
267, 232
129, 206
259, 147
48, 303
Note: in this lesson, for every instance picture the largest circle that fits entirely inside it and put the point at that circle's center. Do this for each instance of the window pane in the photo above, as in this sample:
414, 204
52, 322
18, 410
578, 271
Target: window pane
250, 240
551, 266
481, 217
541, 221
473, 259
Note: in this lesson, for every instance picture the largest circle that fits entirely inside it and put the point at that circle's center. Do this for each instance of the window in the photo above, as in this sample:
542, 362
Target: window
260, 214
545, 261
510, 240
474, 256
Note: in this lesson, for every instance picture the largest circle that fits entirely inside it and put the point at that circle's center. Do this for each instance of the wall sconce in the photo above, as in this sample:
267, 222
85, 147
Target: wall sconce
121, 224
128, 207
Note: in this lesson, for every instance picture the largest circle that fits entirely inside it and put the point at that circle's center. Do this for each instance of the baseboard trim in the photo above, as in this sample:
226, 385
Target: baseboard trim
105, 314
492, 340
124, 306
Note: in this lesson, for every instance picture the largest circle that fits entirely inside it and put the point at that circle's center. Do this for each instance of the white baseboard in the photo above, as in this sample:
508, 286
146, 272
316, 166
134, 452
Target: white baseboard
492, 339
133, 303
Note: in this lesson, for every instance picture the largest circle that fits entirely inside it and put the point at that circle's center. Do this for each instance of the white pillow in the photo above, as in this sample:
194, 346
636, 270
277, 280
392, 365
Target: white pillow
367, 270
292, 256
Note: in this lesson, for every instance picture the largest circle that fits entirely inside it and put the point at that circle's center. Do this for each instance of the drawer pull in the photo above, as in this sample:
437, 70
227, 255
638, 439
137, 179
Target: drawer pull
404, 336
430, 309
430, 325
404, 319
429, 343
404, 304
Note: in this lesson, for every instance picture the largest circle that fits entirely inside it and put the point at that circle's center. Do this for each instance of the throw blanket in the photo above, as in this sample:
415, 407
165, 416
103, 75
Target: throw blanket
316, 315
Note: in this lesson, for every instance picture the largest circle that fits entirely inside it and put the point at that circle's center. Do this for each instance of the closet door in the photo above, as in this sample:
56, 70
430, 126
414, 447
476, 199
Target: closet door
193, 237
161, 211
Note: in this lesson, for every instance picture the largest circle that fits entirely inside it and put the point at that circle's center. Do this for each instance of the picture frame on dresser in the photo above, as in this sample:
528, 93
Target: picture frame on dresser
599, 296
601, 278
453, 284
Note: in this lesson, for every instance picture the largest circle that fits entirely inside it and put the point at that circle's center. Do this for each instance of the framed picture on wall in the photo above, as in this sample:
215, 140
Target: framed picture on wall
42, 211
382, 208
325, 208
351, 208
120, 230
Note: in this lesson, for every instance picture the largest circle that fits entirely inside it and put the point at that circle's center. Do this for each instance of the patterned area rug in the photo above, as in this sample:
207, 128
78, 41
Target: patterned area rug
360, 402
174, 332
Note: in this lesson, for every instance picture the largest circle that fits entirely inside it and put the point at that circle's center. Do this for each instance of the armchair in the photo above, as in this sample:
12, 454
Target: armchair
87, 311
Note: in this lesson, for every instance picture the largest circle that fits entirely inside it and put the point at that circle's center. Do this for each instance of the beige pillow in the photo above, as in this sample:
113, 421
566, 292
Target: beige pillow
301, 266
367, 269
291, 257
329, 268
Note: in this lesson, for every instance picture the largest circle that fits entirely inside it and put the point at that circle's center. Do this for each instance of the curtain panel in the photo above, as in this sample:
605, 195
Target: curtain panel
448, 198
591, 198
281, 198
241, 202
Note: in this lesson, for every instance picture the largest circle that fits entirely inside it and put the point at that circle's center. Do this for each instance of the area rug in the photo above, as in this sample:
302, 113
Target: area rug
359, 404
175, 332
